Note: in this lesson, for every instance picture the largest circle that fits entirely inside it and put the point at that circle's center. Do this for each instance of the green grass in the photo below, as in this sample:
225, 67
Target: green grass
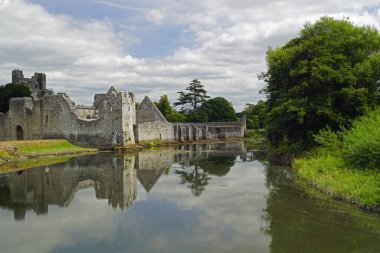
328, 172
13, 150
347, 165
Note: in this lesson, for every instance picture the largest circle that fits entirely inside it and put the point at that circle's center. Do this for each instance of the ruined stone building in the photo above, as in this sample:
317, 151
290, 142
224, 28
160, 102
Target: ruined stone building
112, 120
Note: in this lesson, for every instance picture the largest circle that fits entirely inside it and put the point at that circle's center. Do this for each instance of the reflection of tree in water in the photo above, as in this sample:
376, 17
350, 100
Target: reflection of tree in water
217, 165
194, 176
256, 150
300, 223
196, 173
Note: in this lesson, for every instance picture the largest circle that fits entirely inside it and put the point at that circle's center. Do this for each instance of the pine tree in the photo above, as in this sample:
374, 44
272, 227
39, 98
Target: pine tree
193, 98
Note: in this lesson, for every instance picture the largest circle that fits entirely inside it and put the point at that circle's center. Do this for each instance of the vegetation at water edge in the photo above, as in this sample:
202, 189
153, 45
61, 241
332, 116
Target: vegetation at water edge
346, 165
14, 150
325, 77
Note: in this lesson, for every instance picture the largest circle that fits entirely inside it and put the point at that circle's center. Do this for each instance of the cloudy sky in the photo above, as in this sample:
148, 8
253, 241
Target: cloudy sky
157, 47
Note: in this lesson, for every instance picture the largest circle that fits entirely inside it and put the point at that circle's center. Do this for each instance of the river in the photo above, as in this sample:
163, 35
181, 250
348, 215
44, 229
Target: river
196, 198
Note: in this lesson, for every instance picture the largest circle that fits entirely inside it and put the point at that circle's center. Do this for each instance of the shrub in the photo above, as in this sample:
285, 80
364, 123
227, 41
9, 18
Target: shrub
329, 139
361, 144
11, 90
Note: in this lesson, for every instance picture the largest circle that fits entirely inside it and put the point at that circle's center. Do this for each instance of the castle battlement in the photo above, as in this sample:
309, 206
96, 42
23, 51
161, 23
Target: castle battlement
36, 84
112, 120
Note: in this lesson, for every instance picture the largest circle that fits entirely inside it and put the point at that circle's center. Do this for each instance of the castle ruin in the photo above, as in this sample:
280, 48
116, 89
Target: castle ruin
112, 120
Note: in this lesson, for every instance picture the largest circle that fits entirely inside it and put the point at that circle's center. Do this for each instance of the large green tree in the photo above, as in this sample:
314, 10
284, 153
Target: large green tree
218, 110
167, 111
327, 76
11, 90
193, 97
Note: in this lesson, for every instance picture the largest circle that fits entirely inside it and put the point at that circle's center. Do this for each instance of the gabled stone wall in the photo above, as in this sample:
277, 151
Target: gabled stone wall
148, 112
112, 120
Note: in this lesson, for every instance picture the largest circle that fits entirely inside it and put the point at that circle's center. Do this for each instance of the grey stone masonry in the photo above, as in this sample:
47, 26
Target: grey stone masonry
148, 112
36, 84
112, 120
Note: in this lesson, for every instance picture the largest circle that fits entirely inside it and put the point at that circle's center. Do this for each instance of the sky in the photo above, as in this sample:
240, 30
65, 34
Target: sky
157, 47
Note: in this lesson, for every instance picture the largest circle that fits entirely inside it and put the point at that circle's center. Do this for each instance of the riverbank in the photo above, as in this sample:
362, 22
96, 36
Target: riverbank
157, 144
12, 151
19, 155
329, 173
346, 165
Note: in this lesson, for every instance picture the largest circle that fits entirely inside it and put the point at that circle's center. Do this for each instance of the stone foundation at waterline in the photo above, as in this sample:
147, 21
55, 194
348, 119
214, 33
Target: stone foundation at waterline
112, 120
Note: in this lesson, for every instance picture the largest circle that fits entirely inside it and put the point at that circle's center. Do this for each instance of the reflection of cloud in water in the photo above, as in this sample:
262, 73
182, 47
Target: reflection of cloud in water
231, 208
225, 217
315, 225
62, 227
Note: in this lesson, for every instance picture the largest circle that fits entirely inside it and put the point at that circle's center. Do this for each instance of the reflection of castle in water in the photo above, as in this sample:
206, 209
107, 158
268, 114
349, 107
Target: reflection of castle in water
113, 177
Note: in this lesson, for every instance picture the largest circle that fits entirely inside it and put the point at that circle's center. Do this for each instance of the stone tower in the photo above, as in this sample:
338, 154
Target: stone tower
17, 76
36, 84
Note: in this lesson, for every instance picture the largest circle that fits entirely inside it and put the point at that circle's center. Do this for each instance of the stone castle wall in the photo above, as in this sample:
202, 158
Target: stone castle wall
36, 84
56, 117
2, 126
112, 120
152, 125
162, 131
188, 132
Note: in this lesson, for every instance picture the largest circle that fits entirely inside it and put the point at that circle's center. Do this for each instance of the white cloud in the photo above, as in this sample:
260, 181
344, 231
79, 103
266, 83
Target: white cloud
156, 16
227, 50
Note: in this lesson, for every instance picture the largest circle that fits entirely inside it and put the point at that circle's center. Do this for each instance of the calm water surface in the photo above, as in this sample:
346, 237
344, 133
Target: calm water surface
197, 198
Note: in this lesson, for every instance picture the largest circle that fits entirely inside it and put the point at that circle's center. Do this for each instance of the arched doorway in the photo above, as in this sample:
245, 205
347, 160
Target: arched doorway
19, 133
217, 130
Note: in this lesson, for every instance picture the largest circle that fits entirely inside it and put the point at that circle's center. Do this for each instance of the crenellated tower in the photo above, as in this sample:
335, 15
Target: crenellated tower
36, 84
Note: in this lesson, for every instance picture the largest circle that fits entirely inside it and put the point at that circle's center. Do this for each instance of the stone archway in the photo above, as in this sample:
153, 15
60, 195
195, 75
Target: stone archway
19, 133
217, 131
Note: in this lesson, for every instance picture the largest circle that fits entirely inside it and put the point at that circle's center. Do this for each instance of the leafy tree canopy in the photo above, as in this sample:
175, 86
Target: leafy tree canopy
218, 110
11, 90
164, 106
256, 115
167, 111
193, 97
327, 76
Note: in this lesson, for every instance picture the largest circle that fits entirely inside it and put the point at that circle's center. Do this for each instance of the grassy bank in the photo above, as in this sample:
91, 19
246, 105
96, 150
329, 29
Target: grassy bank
22, 150
328, 172
347, 164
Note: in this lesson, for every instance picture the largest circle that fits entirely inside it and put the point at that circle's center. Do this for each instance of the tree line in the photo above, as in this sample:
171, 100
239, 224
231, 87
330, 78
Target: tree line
196, 106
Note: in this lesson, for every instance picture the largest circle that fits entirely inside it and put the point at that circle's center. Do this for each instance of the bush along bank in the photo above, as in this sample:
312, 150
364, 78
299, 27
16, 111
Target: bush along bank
346, 165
